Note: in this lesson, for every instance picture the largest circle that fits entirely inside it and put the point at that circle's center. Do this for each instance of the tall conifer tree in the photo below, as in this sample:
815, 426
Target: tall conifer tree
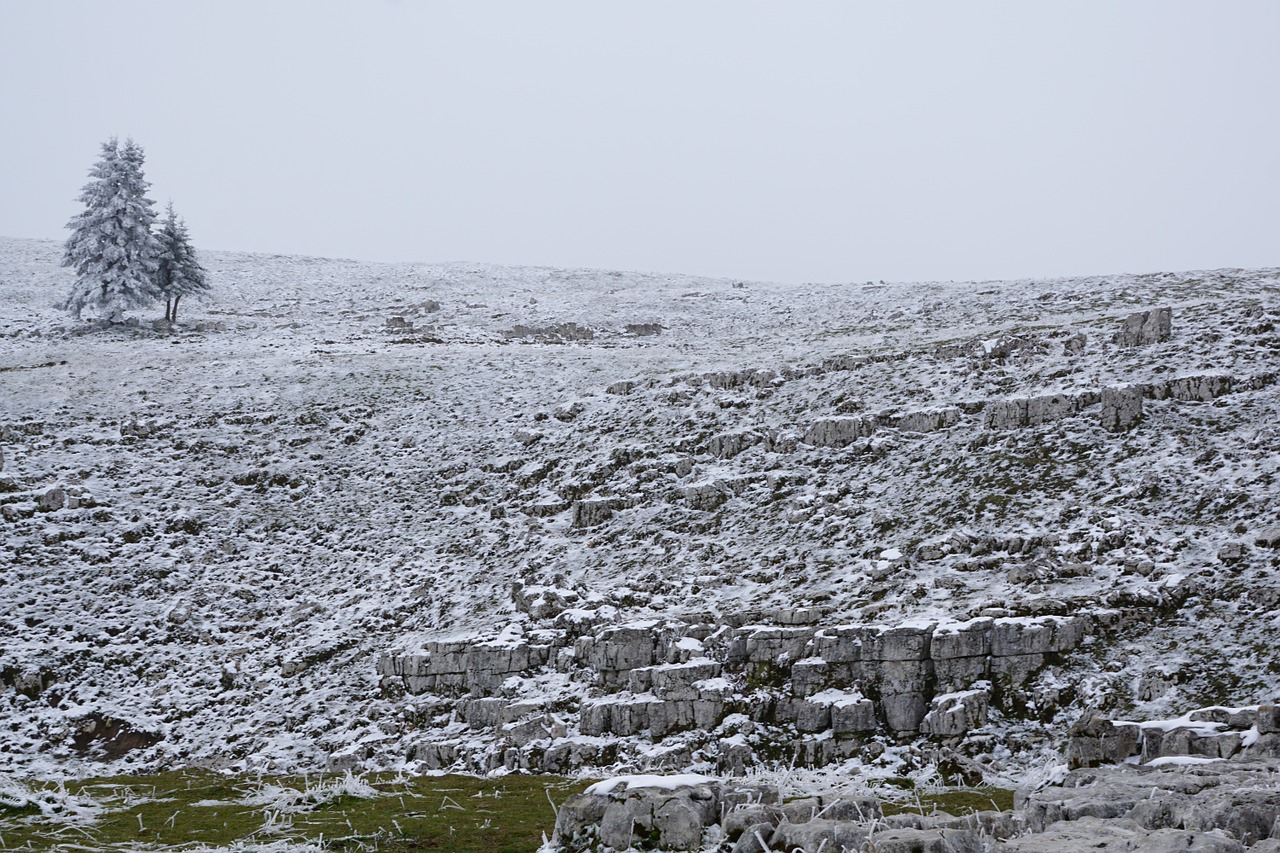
111, 245
179, 273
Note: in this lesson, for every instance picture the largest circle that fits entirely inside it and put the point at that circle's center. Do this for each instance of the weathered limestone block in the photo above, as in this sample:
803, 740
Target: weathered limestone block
1158, 742
1268, 537
730, 444
1088, 834
641, 810
896, 643
898, 676
1268, 719
620, 649
930, 420
676, 681
768, 645
903, 712
1199, 388
953, 674
927, 841
1005, 414
954, 714
838, 432
592, 512
809, 676
706, 496
1145, 327
852, 713
840, 644
666, 717
812, 716
447, 657
962, 639
1050, 408
1020, 635
677, 817
490, 664
483, 713
1121, 407
1034, 411
819, 834
621, 387
1095, 740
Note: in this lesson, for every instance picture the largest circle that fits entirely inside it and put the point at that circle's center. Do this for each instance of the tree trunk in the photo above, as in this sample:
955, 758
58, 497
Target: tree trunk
168, 316
174, 318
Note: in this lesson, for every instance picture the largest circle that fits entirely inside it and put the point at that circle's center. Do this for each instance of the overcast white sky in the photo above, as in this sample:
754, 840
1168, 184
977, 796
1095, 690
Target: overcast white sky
793, 141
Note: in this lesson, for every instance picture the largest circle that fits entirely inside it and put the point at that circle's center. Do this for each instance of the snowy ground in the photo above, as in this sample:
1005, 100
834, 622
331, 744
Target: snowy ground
294, 479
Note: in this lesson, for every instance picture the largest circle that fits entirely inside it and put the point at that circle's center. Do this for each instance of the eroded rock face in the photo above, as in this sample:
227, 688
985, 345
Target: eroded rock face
644, 813
1145, 327
1238, 798
1121, 407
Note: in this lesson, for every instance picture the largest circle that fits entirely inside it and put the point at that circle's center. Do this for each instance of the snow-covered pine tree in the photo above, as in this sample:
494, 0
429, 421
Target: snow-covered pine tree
179, 273
111, 245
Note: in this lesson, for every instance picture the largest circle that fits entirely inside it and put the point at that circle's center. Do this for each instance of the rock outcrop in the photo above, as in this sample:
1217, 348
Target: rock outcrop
1218, 807
1145, 327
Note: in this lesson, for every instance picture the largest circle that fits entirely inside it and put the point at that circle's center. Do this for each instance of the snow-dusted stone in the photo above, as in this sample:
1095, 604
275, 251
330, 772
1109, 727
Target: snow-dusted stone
952, 674
926, 841
1268, 537
1231, 552
621, 387
1005, 414
592, 512
840, 644
706, 496
896, 643
489, 664
1036, 635
1050, 408
961, 640
1240, 798
903, 712
954, 714
1095, 740
676, 681
929, 420
809, 675
1121, 407
1194, 388
52, 499
1033, 411
1145, 327
1268, 719
838, 432
666, 717
852, 713
898, 676
730, 444
768, 645
819, 834
675, 809
1093, 834
812, 716
622, 648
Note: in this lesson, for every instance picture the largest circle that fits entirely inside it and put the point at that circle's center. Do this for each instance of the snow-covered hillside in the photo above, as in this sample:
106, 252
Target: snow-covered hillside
210, 534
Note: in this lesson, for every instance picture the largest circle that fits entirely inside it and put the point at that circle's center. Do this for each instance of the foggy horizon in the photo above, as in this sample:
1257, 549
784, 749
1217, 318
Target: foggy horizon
823, 142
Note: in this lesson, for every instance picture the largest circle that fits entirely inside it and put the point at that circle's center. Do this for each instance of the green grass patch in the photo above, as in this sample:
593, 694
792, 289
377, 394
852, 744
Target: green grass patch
198, 809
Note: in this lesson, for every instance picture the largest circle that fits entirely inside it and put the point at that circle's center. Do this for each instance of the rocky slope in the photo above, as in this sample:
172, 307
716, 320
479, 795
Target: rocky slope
422, 516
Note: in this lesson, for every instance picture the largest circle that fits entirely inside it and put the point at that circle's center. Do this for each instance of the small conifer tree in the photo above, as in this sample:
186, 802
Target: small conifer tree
179, 272
111, 245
